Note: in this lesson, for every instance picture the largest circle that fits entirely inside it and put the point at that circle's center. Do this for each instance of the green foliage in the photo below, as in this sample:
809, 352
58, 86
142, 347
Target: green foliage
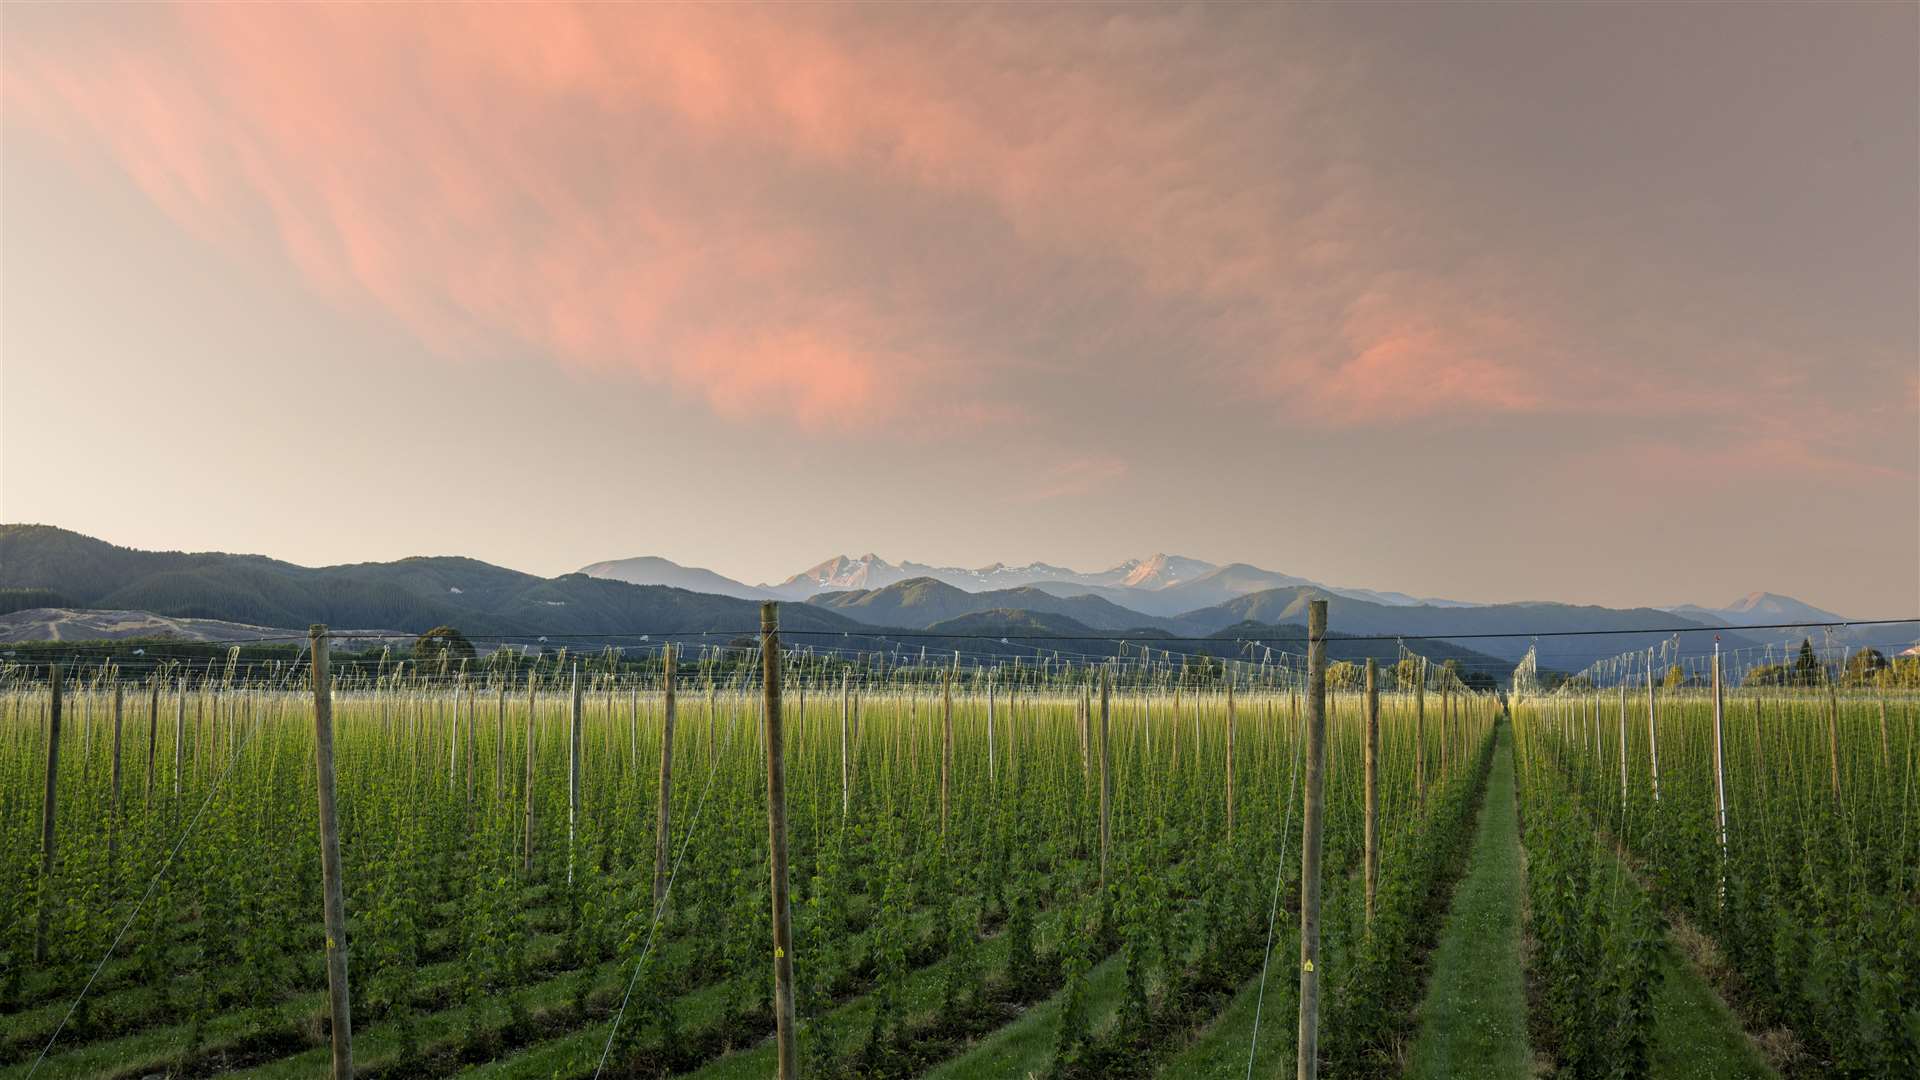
907, 949
442, 643
17, 598
1809, 901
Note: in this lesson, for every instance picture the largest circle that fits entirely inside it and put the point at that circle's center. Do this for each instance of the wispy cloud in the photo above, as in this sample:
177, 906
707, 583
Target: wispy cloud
850, 219
1070, 478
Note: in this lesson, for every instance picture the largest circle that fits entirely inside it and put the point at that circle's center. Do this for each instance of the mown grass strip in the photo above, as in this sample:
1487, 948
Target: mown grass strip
1219, 1051
1025, 1046
1473, 1021
1696, 1036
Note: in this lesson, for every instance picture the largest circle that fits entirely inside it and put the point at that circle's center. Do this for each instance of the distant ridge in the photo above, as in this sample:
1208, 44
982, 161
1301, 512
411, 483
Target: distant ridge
412, 594
653, 570
1160, 584
1759, 609
1180, 600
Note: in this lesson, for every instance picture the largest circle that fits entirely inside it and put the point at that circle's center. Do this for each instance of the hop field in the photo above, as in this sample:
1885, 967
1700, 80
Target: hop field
514, 906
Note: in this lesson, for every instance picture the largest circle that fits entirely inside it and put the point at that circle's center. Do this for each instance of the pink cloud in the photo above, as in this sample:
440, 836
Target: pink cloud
677, 191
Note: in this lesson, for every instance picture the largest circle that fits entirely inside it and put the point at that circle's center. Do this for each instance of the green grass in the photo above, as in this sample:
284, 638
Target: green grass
1695, 1037
1220, 1050
1474, 1019
1025, 1047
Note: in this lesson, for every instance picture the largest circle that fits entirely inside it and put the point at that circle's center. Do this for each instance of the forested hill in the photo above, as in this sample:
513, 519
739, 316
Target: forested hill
413, 594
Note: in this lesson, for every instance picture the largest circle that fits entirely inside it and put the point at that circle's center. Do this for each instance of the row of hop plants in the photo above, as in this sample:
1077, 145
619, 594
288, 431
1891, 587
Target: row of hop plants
472, 939
1813, 905
1595, 936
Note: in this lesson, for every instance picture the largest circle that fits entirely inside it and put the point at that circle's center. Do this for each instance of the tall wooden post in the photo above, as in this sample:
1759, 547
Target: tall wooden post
1230, 726
1106, 767
946, 749
472, 766
1371, 754
1833, 736
179, 736
573, 770
47, 805
784, 1033
113, 823
846, 748
1623, 746
500, 744
533, 681
663, 828
1886, 761
153, 733
333, 894
1720, 765
1420, 731
991, 782
453, 742
1653, 731
1315, 813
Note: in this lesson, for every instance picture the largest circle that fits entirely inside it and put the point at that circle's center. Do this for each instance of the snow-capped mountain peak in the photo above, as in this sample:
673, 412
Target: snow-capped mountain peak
1162, 570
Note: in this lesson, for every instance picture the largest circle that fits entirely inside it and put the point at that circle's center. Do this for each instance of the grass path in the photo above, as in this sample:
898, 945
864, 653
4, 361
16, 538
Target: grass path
1696, 1037
1220, 1051
1474, 1019
1024, 1047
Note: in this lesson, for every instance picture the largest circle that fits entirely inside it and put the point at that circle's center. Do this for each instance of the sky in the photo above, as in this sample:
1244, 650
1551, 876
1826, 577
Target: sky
1607, 304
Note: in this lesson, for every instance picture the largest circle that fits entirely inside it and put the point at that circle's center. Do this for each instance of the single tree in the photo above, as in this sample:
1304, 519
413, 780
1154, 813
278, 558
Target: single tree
442, 641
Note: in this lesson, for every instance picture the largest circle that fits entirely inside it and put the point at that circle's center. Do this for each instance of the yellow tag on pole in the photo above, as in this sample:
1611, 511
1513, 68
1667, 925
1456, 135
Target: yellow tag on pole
1308, 966
778, 952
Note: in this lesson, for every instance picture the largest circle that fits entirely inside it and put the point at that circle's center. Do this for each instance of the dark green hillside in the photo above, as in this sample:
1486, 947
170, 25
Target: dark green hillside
413, 594
922, 602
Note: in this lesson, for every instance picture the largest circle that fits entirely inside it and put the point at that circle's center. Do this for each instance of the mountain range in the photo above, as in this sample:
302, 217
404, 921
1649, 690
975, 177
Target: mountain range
1758, 609
866, 603
1159, 584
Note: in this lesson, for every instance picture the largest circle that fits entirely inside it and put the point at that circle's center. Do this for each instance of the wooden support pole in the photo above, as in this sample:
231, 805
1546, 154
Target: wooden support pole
1230, 727
453, 744
1314, 813
1833, 736
1886, 760
153, 733
1420, 730
47, 806
1106, 767
846, 740
1623, 747
573, 770
663, 828
500, 745
1653, 731
332, 891
533, 677
113, 822
1371, 753
990, 754
785, 1036
472, 766
1720, 765
179, 736
946, 749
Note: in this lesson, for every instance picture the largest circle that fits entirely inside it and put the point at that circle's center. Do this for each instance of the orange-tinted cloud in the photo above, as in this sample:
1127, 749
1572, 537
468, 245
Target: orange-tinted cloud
783, 211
